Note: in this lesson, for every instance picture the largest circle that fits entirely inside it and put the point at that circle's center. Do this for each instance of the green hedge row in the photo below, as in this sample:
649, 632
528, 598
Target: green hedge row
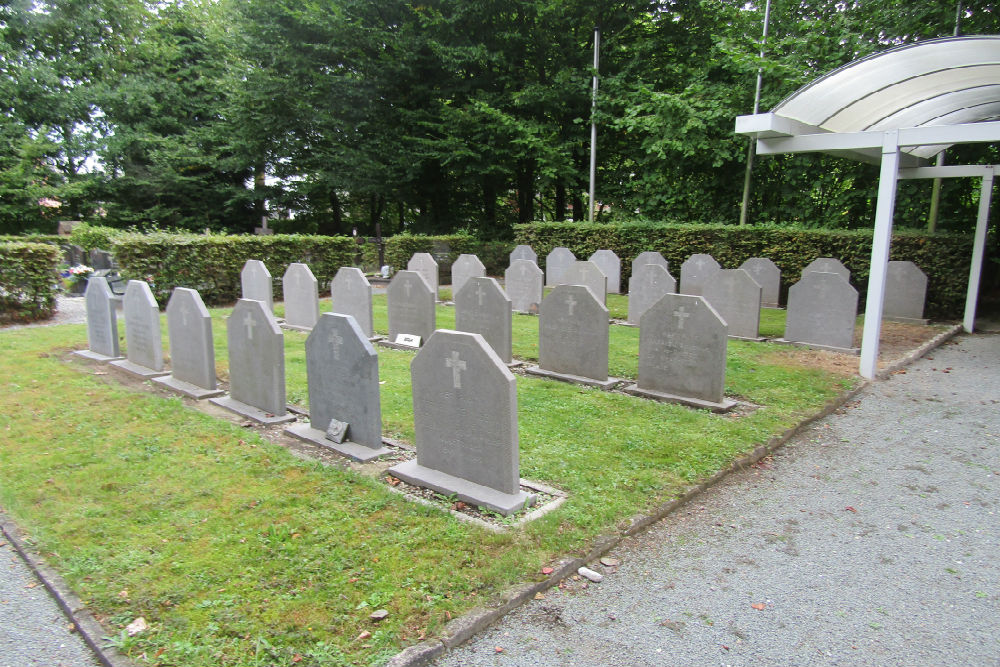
446, 249
28, 281
944, 258
212, 263
52, 239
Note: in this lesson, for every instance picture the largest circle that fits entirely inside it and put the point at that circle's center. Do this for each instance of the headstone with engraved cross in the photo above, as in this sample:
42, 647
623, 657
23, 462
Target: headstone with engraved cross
256, 364
648, 284
465, 267
695, 271
351, 294
589, 274
255, 281
425, 264
766, 274
828, 265
482, 307
822, 309
192, 350
465, 424
523, 252
342, 371
410, 304
648, 257
524, 281
735, 296
301, 292
102, 322
682, 354
556, 262
573, 338
143, 342
611, 266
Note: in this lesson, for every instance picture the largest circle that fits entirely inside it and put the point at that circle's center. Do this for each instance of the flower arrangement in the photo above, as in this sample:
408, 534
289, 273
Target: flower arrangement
76, 276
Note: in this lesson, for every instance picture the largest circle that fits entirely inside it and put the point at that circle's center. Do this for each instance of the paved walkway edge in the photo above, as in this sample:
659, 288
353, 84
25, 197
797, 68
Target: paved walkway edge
72, 606
463, 628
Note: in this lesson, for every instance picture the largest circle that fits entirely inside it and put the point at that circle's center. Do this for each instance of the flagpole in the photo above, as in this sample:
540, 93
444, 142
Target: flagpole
751, 149
593, 122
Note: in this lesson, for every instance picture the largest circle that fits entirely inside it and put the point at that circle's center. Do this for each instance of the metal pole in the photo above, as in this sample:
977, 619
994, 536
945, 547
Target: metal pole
978, 248
593, 123
932, 215
751, 149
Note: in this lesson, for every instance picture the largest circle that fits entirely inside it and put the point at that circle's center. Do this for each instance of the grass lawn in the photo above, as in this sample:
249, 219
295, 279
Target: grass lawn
238, 553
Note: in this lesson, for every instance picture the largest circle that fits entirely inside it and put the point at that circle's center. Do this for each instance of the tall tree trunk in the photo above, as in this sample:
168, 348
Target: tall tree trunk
489, 203
560, 203
259, 183
526, 192
332, 224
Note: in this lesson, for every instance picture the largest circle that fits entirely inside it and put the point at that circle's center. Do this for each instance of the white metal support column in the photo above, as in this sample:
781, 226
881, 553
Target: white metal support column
881, 240
978, 250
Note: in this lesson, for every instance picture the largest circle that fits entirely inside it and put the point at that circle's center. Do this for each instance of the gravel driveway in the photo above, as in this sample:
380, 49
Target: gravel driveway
872, 539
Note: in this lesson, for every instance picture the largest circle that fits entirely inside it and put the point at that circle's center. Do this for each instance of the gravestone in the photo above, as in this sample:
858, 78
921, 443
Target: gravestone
523, 252
410, 302
828, 265
523, 281
611, 266
351, 294
822, 309
556, 262
465, 424
255, 281
192, 349
735, 296
73, 254
342, 371
905, 293
682, 354
425, 264
766, 274
102, 322
648, 284
649, 257
465, 267
695, 271
482, 307
301, 292
101, 260
588, 274
256, 364
573, 338
143, 342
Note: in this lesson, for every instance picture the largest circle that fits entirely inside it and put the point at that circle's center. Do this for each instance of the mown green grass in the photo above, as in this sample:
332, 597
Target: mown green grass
238, 553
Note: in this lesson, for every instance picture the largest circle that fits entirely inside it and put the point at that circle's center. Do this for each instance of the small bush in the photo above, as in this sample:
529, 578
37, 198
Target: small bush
493, 254
91, 237
28, 279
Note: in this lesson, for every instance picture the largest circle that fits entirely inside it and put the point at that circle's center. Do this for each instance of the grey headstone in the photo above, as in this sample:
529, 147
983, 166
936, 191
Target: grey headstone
649, 257
822, 309
410, 302
828, 265
101, 259
465, 267
192, 349
342, 370
255, 281
573, 333
648, 284
611, 266
588, 274
482, 307
73, 254
425, 264
735, 296
256, 364
465, 423
695, 270
556, 262
102, 322
682, 353
905, 292
523, 252
351, 294
766, 274
524, 282
143, 341
301, 293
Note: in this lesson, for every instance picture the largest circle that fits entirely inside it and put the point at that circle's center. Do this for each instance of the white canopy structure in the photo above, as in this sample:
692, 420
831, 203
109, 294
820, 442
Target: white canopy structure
897, 108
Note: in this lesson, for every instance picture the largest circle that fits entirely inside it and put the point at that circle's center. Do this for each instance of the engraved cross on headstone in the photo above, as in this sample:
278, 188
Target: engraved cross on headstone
457, 366
700, 262
524, 270
335, 340
571, 301
681, 315
249, 323
480, 292
406, 288
184, 314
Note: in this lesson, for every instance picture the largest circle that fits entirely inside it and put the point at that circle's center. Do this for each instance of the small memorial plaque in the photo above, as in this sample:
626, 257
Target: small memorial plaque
336, 431
409, 340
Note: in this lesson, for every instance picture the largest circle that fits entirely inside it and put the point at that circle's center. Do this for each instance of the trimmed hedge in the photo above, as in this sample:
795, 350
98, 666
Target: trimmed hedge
944, 258
51, 239
28, 281
495, 255
93, 237
211, 264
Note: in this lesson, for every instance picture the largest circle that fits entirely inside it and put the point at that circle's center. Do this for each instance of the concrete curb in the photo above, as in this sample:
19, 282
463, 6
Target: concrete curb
72, 606
461, 629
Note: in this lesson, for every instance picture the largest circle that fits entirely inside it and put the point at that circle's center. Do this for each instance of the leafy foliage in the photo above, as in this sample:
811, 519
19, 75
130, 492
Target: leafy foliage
28, 281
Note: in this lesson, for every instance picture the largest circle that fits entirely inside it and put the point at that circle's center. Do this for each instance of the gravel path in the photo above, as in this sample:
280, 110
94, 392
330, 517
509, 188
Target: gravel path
871, 539
69, 310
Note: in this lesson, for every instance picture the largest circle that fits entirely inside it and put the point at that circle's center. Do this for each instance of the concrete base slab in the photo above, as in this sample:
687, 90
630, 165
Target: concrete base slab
515, 364
293, 327
95, 356
606, 385
351, 450
254, 413
186, 388
816, 346
470, 492
758, 339
396, 346
725, 406
136, 369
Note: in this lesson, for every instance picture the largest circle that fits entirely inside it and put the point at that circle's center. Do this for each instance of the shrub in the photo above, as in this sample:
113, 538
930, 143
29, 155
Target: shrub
28, 279
446, 249
91, 237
